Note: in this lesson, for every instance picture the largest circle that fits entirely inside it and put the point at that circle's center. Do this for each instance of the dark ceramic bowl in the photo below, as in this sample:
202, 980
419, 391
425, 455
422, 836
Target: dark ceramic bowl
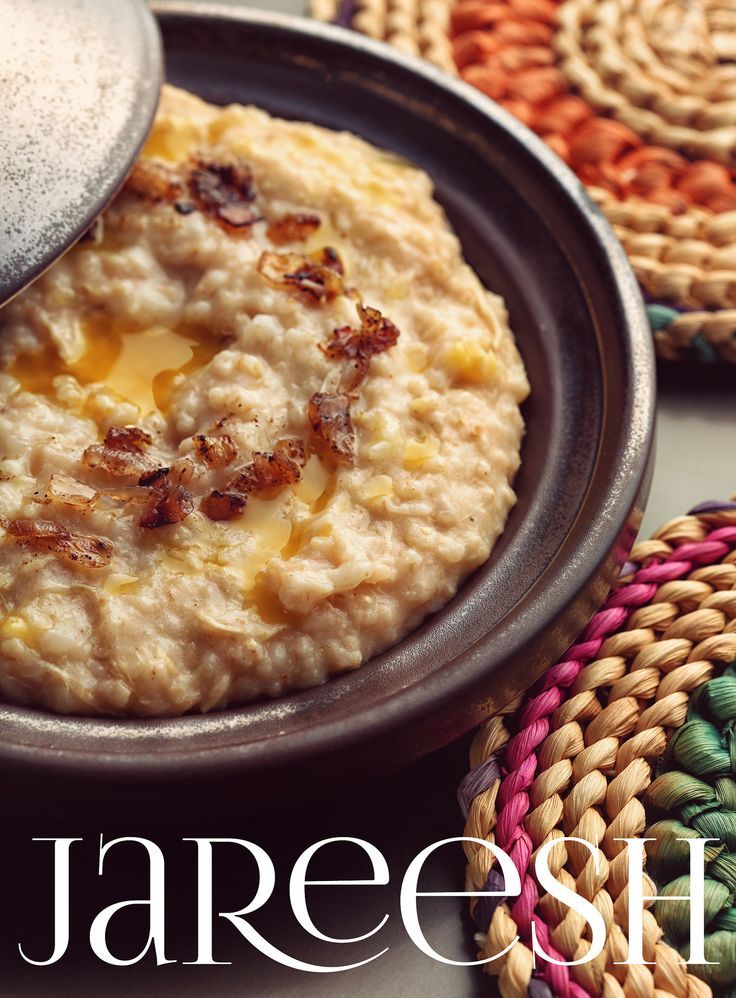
531, 233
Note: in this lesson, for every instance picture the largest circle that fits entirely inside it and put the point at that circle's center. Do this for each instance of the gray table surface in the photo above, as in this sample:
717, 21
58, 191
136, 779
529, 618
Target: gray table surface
400, 814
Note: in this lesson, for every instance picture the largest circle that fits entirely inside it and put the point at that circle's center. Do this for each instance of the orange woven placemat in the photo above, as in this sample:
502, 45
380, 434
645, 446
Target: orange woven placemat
639, 98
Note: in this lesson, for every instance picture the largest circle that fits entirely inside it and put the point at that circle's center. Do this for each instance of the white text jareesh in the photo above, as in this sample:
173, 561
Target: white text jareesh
154, 904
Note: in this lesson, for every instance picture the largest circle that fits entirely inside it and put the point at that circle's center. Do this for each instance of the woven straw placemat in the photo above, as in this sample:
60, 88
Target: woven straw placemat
633, 733
639, 98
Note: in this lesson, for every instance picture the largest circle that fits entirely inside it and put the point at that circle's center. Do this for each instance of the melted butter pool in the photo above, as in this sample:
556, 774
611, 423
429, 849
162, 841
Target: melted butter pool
137, 365
275, 535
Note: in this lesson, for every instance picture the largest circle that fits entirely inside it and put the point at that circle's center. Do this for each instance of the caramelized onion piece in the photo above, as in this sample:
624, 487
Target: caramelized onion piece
294, 449
154, 180
181, 471
170, 503
49, 536
223, 505
225, 192
216, 451
117, 463
376, 334
67, 490
121, 453
310, 278
344, 342
292, 228
126, 493
329, 417
269, 472
376, 331
128, 438
357, 362
328, 257
154, 478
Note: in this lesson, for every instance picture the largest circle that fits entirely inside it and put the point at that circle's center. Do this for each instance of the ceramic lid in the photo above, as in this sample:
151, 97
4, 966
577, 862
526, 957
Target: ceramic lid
80, 84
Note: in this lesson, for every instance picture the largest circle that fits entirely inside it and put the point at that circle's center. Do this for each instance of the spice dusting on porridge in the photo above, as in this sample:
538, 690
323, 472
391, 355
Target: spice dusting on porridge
255, 426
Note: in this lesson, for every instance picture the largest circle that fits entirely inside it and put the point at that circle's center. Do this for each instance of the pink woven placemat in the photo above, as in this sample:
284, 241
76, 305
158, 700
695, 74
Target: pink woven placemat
631, 733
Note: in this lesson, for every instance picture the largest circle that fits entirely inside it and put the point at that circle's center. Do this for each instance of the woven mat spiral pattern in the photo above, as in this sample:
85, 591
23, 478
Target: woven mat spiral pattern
632, 733
639, 98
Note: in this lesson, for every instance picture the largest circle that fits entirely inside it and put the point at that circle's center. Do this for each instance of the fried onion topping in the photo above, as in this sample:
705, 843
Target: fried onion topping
170, 503
223, 505
126, 493
154, 478
116, 463
224, 191
329, 417
49, 536
169, 500
268, 473
154, 181
375, 329
128, 438
376, 334
121, 454
215, 451
294, 448
181, 471
328, 257
65, 489
292, 228
313, 278
358, 346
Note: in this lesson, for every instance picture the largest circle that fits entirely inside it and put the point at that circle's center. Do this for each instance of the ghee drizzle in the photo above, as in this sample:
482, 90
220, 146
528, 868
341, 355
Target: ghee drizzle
138, 365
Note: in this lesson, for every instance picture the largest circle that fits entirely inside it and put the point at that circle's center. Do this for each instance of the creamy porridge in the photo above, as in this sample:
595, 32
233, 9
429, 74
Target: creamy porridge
255, 426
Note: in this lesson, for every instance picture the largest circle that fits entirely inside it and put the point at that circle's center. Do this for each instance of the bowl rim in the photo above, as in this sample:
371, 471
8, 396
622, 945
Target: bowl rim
545, 601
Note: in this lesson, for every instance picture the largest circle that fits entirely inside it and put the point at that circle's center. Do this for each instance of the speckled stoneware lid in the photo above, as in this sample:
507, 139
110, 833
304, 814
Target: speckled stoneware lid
80, 82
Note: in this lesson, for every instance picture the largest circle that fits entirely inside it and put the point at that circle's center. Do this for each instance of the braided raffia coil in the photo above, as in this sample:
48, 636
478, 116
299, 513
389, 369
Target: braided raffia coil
577, 758
417, 27
639, 98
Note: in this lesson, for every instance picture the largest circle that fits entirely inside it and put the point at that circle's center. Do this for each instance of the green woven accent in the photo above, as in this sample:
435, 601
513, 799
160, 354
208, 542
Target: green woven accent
697, 794
661, 316
704, 350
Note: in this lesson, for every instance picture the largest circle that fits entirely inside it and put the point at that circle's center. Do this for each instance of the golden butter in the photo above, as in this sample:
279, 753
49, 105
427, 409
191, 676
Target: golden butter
378, 487
172, 139
470, 361
418, 452
14, 627
313, 482
119, 583
138, 366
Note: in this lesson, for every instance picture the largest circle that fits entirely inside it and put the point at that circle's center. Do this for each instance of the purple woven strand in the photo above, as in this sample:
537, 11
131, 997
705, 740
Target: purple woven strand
538, 989
486, 906
712, 506
476, 782
345, 14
